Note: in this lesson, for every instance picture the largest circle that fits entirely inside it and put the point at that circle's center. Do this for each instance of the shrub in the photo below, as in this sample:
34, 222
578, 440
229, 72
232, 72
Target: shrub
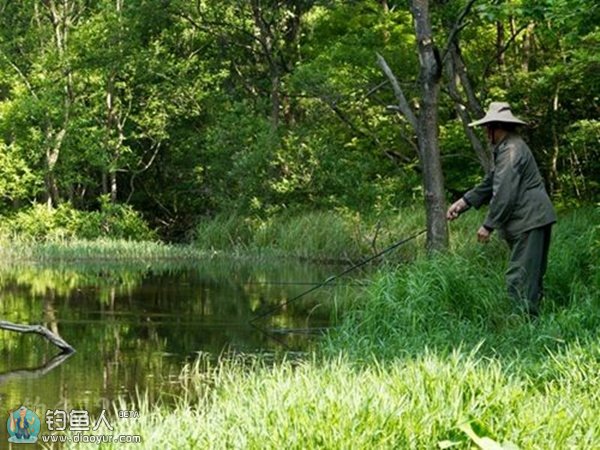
41, 223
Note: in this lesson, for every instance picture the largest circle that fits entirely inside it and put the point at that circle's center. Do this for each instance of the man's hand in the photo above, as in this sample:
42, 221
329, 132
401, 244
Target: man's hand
483, 235
456, 208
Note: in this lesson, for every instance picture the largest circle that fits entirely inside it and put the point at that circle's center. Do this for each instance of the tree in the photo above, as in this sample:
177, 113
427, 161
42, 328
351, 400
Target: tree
39, 62
425, 124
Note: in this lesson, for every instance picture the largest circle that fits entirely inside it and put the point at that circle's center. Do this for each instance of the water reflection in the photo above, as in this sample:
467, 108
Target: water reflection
134, 326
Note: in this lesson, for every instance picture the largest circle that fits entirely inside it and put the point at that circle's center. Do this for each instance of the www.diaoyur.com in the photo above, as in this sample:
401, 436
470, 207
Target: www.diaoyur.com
92, 438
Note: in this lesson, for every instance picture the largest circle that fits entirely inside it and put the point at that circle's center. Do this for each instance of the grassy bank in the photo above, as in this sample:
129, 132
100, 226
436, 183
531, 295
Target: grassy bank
95, 249
324, 236
432, 356
332, 236
419, 402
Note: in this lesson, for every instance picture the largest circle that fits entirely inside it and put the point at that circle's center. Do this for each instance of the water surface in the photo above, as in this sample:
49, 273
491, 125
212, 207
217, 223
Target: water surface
134, 326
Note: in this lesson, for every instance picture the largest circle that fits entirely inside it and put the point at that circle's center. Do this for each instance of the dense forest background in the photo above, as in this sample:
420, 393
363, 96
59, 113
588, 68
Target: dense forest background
184, 110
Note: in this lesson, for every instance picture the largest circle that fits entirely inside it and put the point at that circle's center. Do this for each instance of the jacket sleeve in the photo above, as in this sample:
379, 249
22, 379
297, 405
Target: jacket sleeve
482, 193
505, 188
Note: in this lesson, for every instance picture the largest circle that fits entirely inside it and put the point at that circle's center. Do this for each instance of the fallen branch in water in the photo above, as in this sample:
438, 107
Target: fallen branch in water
38, 329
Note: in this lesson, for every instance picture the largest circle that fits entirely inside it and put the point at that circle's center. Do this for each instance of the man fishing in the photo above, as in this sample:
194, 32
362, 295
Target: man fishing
519, 207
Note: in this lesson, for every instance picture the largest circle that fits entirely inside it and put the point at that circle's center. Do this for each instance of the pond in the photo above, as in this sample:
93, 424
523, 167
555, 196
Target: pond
134, 326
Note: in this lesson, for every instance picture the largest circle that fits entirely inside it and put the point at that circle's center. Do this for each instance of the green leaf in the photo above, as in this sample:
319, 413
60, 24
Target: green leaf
485, 443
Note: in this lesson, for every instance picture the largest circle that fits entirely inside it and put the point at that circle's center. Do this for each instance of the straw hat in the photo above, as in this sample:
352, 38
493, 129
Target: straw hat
498, 112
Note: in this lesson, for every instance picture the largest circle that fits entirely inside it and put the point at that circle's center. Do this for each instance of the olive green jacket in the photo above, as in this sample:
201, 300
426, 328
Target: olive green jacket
515, 191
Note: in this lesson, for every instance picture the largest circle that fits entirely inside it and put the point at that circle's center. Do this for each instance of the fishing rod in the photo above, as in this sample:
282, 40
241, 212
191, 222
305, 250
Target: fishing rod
334, 277
293, 283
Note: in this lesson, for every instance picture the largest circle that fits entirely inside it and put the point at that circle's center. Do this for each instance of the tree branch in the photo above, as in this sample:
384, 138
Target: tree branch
458, 26
503, 49
453, 69
38, 329
403, 105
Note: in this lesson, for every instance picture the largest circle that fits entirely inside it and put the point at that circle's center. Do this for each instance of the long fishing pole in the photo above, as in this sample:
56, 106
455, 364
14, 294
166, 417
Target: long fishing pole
334, 277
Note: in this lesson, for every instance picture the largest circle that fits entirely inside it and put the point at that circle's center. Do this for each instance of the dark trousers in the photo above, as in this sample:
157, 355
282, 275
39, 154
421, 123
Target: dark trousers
527, 266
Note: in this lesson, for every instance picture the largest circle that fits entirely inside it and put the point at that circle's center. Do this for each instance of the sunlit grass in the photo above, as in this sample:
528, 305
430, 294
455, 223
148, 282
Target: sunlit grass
319, 235
103, 249
432, 355
404, 403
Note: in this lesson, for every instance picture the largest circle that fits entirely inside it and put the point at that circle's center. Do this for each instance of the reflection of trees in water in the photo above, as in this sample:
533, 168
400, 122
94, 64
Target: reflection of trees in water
124, 320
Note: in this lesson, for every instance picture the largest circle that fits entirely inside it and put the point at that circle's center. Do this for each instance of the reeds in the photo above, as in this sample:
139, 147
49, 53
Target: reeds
97, 249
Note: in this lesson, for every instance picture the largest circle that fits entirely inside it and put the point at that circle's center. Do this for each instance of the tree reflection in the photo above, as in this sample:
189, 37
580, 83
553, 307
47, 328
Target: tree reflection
134, 325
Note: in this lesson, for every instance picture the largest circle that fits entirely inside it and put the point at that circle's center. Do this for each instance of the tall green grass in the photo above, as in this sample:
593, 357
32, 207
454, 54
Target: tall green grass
97, 249
415, 403
459, 299
433, 355
320, 235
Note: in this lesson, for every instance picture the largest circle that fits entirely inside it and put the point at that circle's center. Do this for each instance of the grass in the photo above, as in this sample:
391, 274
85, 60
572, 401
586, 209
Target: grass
331, 236
318, 236
97, 249
407, 403
432, 356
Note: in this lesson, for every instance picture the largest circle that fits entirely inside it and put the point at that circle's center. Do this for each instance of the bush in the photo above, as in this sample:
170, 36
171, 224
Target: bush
41, 223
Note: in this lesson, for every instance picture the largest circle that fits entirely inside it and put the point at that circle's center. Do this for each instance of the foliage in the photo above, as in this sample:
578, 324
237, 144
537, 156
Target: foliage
41, 223
188, 110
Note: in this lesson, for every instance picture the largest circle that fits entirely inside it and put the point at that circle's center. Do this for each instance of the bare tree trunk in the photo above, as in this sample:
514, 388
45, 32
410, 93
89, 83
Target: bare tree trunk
427, 129
472, 107
527, 46
500, 43
384, 4
115, 136
116, 116
52, 153
109, 184
425, 123
275, 97
61, 21
104, 183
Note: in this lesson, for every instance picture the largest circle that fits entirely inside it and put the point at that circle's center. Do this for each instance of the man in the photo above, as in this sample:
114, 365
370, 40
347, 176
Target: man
520, 208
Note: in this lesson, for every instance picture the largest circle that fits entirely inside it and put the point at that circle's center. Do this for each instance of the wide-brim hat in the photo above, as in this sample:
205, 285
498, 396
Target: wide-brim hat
498, 112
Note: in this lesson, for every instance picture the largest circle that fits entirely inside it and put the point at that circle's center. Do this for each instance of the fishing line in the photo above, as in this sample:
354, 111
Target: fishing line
334, 277
296, 283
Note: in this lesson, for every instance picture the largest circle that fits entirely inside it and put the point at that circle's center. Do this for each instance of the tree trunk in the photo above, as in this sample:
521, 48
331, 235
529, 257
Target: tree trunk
455, 68
500, 43
60, 19
554, 187
527, 47
50, 184
266, 39
427, 129
384, 4
275, 97
112, 145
